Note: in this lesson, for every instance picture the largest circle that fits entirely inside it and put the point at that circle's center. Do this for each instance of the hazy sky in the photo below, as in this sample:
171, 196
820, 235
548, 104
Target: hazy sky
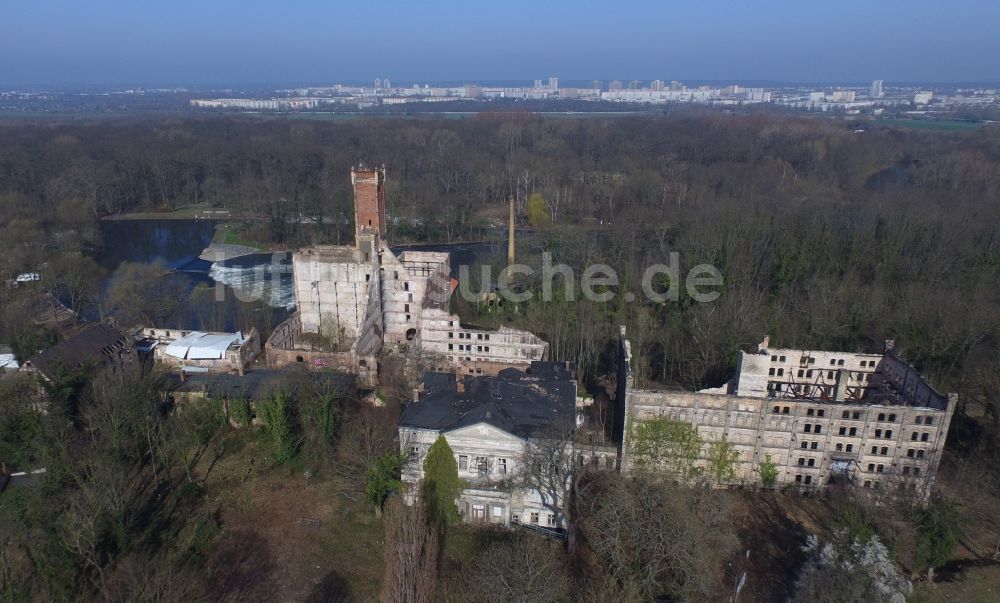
52, 42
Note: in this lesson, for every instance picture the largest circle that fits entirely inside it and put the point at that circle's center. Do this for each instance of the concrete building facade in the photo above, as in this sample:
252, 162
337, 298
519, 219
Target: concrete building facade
820, 417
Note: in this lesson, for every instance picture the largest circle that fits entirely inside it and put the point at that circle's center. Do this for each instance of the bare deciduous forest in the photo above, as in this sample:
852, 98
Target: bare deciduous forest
828, 236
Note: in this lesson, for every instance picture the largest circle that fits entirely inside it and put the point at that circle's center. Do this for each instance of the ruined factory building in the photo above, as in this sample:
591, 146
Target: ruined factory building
95, 346
814, 418
488, 422
352, 300
198, 351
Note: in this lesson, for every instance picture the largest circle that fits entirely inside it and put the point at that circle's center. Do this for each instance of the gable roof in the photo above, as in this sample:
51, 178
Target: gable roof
94, 345
521, 403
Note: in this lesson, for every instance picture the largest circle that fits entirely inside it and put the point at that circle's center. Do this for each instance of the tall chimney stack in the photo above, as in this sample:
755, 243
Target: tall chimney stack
510, 236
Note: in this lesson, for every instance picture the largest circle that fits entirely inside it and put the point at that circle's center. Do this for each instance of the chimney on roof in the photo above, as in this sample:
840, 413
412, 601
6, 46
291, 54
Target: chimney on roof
419, 389
460, 387
762, 346
890, 345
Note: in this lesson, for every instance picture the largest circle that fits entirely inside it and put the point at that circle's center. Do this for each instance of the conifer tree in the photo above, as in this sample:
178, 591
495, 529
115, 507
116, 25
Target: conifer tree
442, 485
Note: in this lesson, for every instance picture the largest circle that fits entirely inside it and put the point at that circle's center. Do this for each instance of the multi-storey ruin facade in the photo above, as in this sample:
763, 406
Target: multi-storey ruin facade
813, 417
361, 297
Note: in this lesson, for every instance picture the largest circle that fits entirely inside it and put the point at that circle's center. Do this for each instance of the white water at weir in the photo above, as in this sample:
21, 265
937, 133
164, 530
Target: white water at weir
270, 280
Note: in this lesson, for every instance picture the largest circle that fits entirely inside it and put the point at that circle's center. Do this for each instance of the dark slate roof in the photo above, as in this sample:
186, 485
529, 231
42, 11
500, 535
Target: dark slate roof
254, 385
92, 346
522, 403
21, 479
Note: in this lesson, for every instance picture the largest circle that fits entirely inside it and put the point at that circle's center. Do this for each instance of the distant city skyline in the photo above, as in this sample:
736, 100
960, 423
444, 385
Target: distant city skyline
62, 43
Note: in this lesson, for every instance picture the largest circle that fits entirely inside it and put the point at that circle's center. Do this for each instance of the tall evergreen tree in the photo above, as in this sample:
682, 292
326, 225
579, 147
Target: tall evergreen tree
441, 485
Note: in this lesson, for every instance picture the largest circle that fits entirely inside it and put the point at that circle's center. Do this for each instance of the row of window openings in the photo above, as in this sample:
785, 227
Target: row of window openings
819, 412
804, 479
810, 412
811, 360
884, 451
807, 445
856, 415
853, 431
902, 487
468, 347
840, 447
534, 517
907, 470
484, 336
481, 465
780, 372
479, 511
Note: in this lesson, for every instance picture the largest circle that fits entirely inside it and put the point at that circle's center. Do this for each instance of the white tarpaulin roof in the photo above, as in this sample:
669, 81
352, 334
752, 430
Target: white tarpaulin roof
7, 361
203, 346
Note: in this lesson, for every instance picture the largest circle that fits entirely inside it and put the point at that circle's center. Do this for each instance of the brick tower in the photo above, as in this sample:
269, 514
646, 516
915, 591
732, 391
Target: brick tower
369, 201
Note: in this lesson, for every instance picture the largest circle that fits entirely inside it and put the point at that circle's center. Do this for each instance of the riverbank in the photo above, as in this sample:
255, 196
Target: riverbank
191, 212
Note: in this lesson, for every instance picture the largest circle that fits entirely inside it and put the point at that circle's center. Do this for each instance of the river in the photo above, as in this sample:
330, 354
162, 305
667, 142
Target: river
239, 283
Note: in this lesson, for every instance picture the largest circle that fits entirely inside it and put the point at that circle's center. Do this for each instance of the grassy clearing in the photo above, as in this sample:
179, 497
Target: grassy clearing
281, 535
238, 233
